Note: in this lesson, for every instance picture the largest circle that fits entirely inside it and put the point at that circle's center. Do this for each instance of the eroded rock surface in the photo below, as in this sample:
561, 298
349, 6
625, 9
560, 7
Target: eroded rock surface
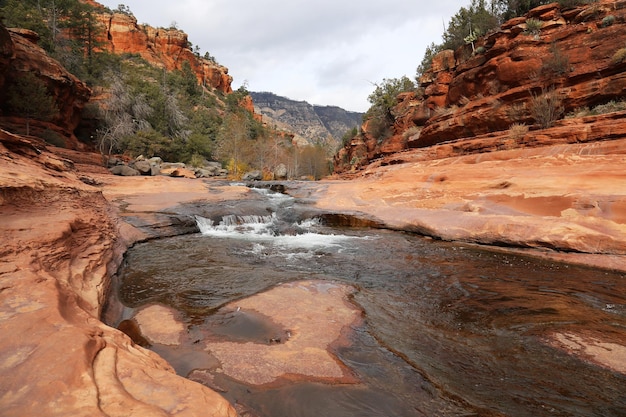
465, 94
314, 315
20, 55
63, 238
566, 197
61, 243
159, 324
164, 47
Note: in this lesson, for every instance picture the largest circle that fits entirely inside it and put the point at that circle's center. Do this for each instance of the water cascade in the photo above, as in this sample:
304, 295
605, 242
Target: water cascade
447, 330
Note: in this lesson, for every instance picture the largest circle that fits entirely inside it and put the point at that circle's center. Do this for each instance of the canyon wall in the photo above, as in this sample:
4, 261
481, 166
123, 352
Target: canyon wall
168, 48
20, 55
572, 62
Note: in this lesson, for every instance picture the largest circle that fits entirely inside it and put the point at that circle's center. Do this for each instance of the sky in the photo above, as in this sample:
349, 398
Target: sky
325, 52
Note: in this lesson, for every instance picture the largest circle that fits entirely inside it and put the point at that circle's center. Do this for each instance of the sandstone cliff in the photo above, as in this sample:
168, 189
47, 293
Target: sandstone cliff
19, 55
572, 62
167, 48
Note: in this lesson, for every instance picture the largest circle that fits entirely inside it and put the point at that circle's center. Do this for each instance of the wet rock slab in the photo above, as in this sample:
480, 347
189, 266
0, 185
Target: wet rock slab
605, 353
314, 316
159, 324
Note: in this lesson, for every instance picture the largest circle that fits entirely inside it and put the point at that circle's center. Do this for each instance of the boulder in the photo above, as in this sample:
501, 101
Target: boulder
205, 173
124, 170
280, 172
253, 176
144, 167
113, 161
182, 173
155, 160
169, 165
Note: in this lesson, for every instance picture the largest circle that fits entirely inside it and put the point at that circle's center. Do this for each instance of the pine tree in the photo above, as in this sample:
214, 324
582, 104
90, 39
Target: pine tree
28, 97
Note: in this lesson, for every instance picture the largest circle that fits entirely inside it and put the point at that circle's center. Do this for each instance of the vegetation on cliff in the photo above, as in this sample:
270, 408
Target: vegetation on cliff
144, 101
505, 82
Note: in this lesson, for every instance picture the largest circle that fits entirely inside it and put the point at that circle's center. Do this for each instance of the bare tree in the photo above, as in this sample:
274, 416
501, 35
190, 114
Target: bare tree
232, 142
123, 115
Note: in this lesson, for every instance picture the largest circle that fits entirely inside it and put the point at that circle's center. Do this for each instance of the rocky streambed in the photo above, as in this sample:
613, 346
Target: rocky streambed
65, 232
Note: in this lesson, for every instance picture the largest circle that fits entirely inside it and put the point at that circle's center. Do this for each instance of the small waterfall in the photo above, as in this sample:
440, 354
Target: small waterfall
271, 232
282, 233
237, 225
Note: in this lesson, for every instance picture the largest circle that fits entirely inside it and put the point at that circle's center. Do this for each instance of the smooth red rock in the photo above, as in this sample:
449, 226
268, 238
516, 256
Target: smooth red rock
62, 241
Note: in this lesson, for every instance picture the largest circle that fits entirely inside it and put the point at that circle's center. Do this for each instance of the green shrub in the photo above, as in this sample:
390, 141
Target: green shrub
196, 160
53, 138
347, 137
610, 107
518, 131
608, 21
382, 100
412, 131
517, 111
557, 63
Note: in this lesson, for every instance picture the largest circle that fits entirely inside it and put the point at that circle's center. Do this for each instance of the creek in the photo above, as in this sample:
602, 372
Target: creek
448, 329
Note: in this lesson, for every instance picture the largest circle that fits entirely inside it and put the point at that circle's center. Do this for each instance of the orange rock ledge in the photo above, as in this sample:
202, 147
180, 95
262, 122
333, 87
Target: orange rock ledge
62, 241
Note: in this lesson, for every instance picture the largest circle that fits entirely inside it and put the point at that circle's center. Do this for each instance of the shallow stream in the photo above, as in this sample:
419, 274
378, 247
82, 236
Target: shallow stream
448, 330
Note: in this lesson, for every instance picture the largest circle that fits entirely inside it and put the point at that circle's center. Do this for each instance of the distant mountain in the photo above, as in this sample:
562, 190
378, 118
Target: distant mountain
309, 122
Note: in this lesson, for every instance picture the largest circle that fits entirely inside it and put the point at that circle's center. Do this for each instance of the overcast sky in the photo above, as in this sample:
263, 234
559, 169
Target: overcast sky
327, 52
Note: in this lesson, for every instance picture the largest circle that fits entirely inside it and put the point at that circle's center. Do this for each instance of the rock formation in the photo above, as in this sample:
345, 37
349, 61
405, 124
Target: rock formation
61, 244
571, 63
310, 123
167, 48
19, 54
556, 192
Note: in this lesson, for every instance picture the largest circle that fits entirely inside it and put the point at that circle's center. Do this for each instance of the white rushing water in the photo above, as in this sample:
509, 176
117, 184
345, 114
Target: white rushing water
266, 231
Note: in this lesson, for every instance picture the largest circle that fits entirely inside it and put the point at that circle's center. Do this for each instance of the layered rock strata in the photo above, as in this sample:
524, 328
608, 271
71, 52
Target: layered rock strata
165, 47
19, 55
61, 244
573, 62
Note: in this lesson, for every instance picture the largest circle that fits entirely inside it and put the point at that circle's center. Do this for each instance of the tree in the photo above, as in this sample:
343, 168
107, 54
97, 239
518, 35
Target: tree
313, 161
427, 62
232, 146
28, 96
123, 114
86, 32
470, 22
383, 99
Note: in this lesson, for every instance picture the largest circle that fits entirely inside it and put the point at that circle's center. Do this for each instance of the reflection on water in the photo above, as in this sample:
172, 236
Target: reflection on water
449, 329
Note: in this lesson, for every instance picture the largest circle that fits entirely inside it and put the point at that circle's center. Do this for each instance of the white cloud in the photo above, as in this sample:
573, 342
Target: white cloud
326, 52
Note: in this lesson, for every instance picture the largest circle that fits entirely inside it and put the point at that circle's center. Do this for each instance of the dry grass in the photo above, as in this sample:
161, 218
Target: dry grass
518, 131
412, 131
619, 56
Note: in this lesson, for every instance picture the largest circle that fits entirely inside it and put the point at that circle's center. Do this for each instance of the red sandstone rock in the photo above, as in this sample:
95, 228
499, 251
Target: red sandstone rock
493, 90
61, 243
20, 55
168, 48
314, 316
